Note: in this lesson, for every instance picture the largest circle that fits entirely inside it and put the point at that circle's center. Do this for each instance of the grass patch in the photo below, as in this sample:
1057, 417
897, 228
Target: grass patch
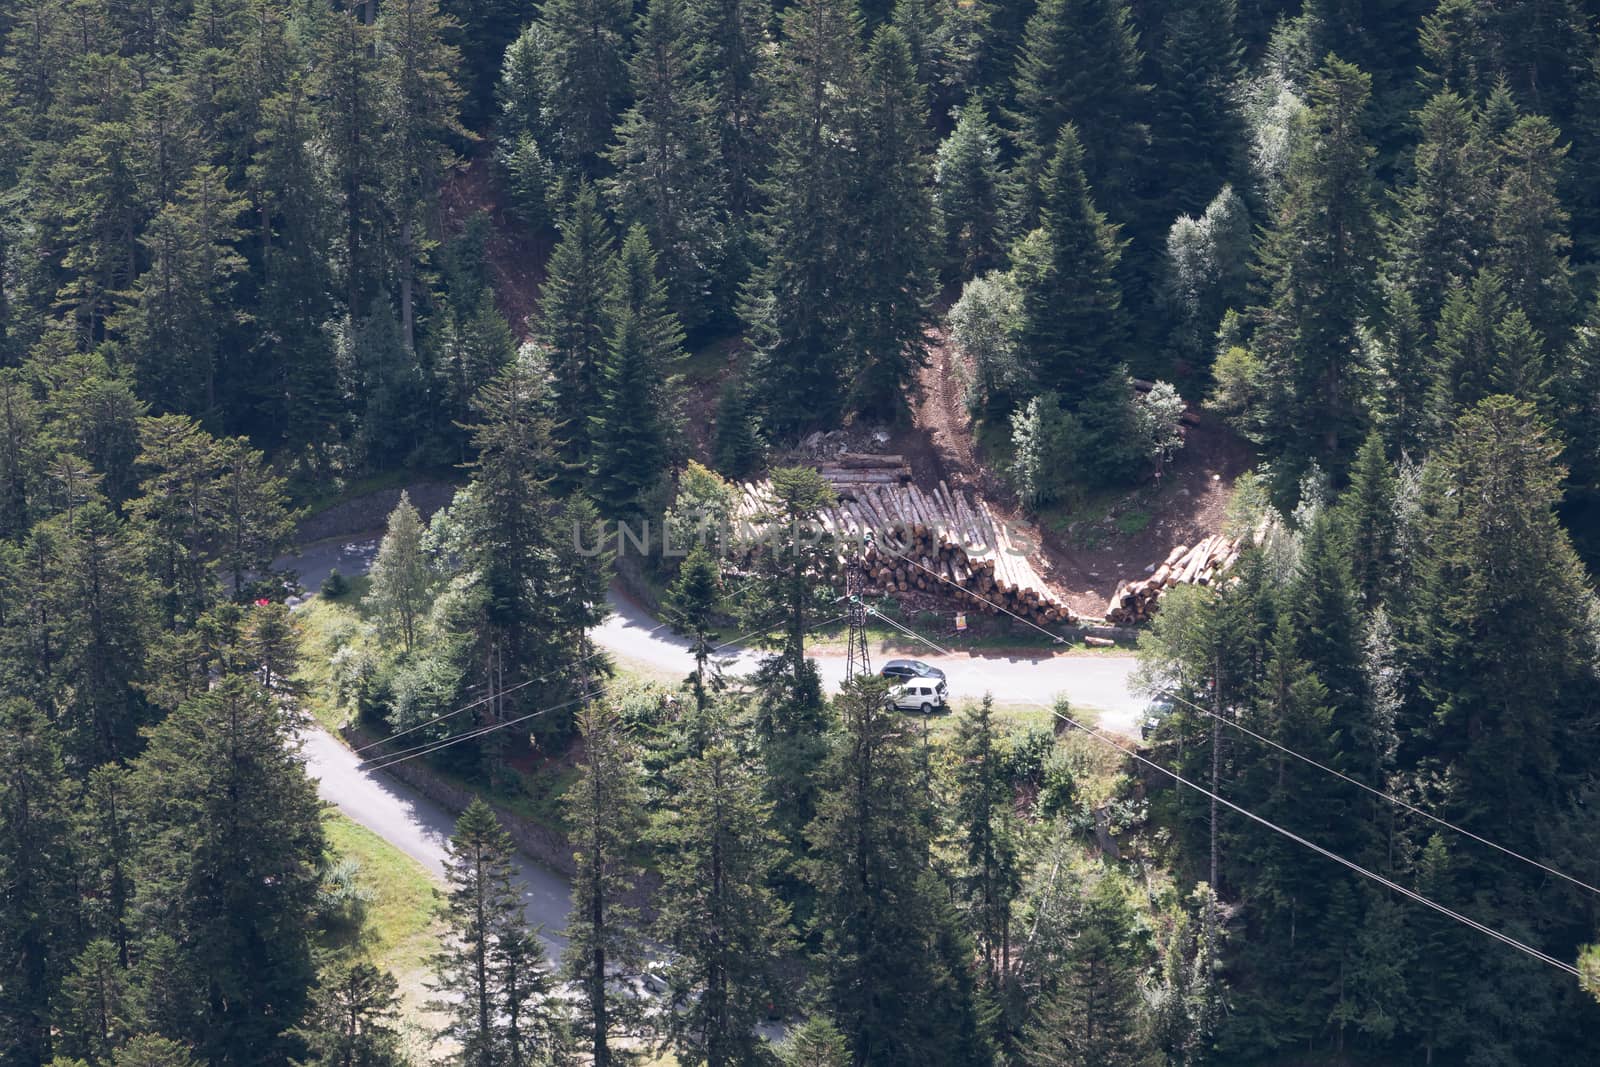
1132, 522
400, 928
325, 627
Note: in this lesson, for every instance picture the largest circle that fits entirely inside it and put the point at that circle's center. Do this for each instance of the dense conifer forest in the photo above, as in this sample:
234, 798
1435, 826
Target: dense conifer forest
600, 262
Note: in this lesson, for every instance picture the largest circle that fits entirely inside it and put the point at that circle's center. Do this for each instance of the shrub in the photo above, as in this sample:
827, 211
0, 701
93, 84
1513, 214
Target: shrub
335, 585
983, 331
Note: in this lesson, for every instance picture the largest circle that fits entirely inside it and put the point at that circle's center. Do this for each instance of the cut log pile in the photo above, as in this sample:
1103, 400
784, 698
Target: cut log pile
937, 542
1200, 564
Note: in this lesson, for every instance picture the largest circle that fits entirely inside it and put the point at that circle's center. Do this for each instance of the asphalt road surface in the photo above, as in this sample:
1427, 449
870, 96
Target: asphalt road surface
421, 828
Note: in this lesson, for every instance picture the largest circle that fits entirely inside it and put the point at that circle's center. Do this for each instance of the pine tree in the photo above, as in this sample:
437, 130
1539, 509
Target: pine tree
347, 82
230, 837
490, 975
93, 1014
1197, 130
100, 603
893, 235
254, 523
1079, 64
796, 310
180, 303
737, 445
815, 1043
572, 321
586, 75
480, 345
350, 1022
1439, 234
1092, 1019
967, 193
1073, 331
1319, 256
36, 861
690, 606
1407, 376
107, 834
731, 59
1530, 226
605, 809
717, 910
400, 574
1367, 523
151, 1050
991, 879
668, 177
420, 106
634, 434
882, 970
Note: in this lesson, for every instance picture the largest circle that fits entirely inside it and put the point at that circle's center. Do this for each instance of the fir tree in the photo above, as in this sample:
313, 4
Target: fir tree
586, 75
351, 1020
36, 861
490, 974
882, 970
1530, 226
796, 309
893, 236
1073, 331
1079, 64
668, 178
634, 434
1367, 522
572, 321
690, 606
983, 815
717, 909
605, 809
1319, 257
1197, 129
737, 445
480, 31
230, 830
1092, 1019
966, 191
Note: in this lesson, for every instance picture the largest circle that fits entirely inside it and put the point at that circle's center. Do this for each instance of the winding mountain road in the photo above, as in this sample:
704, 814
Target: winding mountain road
421, 828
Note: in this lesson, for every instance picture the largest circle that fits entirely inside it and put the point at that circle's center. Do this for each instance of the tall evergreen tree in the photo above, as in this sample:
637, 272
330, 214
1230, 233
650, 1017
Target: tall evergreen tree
480, 31
230, 836
36, 861
1319, 256
668, 177
1197, 130
1079, 64
351, 1020
797, 309
690, 606
893, 237
606, 812
420, 105
1530, 226
586, 75
1073, 331
718, 909
634, 432
967, 179
882, 970
1092, 1019
572, 321
494, 989
984, 821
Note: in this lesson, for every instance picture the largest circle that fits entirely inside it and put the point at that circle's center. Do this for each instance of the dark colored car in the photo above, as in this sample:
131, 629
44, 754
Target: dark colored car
906, 669
1155, 714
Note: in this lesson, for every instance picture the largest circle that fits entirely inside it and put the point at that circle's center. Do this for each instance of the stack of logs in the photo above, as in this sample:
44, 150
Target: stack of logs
1198, 565
936, 542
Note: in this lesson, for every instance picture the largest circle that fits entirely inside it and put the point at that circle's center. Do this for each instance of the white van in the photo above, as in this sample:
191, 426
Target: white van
926, 695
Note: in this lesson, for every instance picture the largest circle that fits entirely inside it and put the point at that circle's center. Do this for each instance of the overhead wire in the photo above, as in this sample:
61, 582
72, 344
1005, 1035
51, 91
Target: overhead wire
1410, 894
1320, 850
1057, 638
1412, 808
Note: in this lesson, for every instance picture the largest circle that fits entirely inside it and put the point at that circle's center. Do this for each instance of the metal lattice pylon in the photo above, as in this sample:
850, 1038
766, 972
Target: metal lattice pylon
857, 661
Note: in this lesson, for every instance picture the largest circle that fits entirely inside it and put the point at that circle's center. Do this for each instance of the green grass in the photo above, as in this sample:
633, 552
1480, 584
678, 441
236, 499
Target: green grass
400, 929
1132, 522
326, 625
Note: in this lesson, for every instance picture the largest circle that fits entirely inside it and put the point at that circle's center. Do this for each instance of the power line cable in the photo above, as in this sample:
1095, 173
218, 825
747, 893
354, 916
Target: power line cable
910, 632
1410, 894
389, 759
1057, 638
1412, 808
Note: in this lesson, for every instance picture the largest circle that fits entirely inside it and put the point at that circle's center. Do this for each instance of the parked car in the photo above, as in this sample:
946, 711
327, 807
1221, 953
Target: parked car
926, 695
1155, 713
909, 669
